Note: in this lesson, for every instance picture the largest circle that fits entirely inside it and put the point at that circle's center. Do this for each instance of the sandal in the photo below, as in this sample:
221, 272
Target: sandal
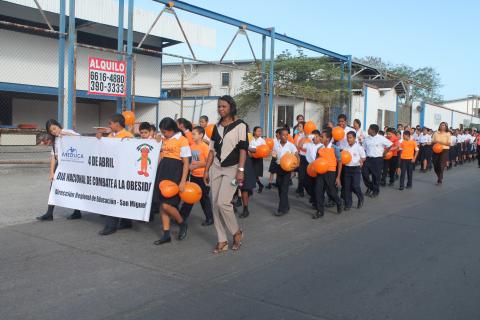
237, 240
221, 247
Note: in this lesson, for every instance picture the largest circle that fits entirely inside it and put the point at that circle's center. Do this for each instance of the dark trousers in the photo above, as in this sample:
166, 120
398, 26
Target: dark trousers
205, 202
406, 167
302, 174
439, 162
283, 182
478, 154
113, 222
389, 168
372, 167
352, 184
310, 187
325, 183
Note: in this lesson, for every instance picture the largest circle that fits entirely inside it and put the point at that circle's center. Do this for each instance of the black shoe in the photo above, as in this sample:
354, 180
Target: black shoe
374, 194
317, 215
401, 188
45, 217
75, 215
163, 240
245, 213
182, 233
368, 192
260, 188
408, 187
207, 223
330, 204
346, 208
125, 224
269, 186
360, 204
107, 231
279, 213
339, 208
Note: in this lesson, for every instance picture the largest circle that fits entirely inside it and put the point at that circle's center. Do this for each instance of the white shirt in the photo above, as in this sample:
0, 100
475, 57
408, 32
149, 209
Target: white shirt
342, 144
468, 138
453, 140
311, 150
357, 153
58, 140
375, 146
415, 136
256, 142
424, 138
360, 136
282, 150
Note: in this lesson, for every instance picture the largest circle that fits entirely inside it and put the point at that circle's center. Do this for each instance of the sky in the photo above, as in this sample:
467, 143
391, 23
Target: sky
440, 34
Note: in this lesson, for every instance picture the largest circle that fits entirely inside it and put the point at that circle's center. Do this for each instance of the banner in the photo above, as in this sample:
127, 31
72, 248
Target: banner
106, 77
113, 177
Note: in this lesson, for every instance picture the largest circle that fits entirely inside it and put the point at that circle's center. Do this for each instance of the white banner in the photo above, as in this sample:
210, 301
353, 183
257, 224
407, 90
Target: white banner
114, 177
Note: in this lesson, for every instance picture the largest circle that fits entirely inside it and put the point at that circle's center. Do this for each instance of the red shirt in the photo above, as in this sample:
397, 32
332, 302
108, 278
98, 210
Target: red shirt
395, 143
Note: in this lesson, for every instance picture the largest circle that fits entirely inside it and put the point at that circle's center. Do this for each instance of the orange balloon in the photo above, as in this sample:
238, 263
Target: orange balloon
437, 148
338, 133
320, 165
269, 142
209, 130
129, 118
290, 138
192, 193
346, 157
289, 162
168, 188
311, 170
388, 155
261, 151
309, 127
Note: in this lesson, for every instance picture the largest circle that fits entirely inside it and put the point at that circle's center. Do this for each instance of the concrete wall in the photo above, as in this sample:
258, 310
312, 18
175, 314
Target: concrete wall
434, 115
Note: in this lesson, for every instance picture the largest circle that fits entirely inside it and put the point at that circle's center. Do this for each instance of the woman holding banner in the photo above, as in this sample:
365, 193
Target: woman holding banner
55, 131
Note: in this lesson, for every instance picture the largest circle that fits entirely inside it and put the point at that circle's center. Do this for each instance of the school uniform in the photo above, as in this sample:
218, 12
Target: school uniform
326, 182
406, 166
311, 152
257, 163
374, 149
273, 167
353, 174
425, 149
342, 144
283, 177
54, 153
390, 165
111, 224
199, 154
302, 168
452, 154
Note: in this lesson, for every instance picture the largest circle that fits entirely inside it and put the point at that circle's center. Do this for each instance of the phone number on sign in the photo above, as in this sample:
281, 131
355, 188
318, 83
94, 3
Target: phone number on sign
106, 83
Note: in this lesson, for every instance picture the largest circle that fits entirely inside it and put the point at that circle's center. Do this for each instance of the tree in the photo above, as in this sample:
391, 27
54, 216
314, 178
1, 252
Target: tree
422, 83
316, 79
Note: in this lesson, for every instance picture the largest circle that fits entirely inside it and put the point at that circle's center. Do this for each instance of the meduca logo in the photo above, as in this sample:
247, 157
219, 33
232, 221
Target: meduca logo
72, 154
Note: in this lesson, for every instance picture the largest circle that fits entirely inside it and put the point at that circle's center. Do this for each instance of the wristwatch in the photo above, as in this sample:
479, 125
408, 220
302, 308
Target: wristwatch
241, 169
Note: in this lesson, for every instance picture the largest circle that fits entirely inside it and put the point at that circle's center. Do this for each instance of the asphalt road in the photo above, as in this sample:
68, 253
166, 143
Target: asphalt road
410, 254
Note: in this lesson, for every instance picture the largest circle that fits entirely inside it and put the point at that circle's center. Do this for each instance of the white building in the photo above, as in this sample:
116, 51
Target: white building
469, 105
29, 60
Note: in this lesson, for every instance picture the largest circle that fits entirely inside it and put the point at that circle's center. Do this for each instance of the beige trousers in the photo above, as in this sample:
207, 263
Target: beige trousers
222, 194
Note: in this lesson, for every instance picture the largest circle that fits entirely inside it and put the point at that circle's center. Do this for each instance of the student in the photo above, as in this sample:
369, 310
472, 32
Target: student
257, 163
408, 158
311, 151
357, 126
329, 181
174, 165
118, 131
452, 154
203, 122
443, 137
197, 169
272, 168
376, 146
390, 165
353, 172
302, 168
147, 131
56, 132
425, 141
185, 127
342, 123
283, 177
